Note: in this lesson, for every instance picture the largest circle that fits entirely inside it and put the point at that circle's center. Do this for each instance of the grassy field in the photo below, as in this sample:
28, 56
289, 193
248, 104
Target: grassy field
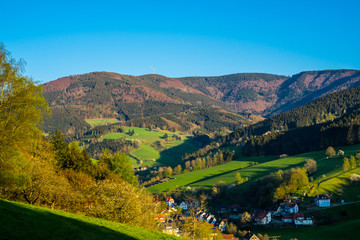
208, 177
170, 154
190, 178
21, 221
101, 121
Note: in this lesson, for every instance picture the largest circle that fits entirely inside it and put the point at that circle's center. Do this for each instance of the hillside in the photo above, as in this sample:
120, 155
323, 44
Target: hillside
21, 221
268, 94
185, 103
144, 100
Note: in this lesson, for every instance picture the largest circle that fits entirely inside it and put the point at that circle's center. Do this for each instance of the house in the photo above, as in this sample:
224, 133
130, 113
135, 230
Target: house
229, 237
250, 236
287, 218
262, 217
288, 208
322, 200
183, 205
161, 217
170, 201
301, 219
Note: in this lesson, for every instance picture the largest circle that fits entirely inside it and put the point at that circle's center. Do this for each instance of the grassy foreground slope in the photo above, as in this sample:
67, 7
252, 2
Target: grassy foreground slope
22, 221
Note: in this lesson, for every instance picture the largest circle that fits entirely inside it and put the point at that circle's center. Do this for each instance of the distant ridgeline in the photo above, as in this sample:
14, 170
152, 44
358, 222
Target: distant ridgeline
185, 103
145, 101
330, 120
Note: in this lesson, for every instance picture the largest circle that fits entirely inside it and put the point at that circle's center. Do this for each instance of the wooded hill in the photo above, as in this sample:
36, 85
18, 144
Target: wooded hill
138, 101
184, 103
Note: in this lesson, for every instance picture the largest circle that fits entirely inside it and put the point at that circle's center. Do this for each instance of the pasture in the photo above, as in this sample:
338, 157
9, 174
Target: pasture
226, 172
101, 121
168, 154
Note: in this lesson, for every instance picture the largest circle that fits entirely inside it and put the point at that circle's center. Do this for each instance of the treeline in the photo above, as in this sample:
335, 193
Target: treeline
211, 160
340, 132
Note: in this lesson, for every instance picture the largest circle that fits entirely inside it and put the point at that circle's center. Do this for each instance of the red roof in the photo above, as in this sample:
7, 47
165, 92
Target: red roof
287, 217
260, 214
168, 199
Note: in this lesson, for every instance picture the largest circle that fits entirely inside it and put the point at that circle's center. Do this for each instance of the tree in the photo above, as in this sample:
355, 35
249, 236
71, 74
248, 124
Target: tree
21, 110
177, 170
168, 172
310, 166
346, 164
352, 162
330, 152
245, 218
238, 178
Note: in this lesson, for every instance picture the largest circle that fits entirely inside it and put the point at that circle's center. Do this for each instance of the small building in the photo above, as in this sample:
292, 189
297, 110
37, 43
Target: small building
262, 217
301, 219
183, 205
161, 217
170, 201
322, 200
250, 236
287, 218
288, 208
234, 208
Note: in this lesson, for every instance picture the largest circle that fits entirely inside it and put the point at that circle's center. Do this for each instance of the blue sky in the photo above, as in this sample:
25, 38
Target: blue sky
181, 38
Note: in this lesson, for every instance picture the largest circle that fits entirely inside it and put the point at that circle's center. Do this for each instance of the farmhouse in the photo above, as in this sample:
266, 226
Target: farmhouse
288, 208
262, 217
322, 200
170, 201
301, 219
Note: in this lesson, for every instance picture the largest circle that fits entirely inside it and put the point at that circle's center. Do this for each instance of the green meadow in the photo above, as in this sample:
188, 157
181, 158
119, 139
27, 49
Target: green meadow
327, 169
101, 121
169, 154
22, 221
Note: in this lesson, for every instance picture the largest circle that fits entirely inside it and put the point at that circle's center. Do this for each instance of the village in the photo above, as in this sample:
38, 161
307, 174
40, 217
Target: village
226, 217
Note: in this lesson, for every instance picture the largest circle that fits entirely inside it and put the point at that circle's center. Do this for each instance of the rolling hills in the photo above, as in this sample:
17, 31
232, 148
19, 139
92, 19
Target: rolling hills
208, 103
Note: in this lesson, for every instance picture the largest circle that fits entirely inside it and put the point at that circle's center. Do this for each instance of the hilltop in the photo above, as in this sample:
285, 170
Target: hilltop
188, 103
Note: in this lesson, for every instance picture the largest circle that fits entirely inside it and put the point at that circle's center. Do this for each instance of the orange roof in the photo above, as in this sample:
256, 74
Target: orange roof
229, 236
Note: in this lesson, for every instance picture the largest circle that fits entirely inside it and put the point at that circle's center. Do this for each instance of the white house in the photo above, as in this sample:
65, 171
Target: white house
322, 200
170, 201
288, 208
183, 205
262, 217
301, 219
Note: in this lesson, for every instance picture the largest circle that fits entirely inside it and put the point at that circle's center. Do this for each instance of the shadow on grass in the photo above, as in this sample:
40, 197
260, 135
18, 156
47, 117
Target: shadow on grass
20, 222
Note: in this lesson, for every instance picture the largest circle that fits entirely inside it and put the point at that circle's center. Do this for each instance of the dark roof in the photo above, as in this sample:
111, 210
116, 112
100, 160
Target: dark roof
260, 214
248, 235
323, 196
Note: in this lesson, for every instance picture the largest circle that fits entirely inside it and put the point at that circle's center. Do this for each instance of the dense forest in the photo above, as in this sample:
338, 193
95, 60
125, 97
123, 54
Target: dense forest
340, 132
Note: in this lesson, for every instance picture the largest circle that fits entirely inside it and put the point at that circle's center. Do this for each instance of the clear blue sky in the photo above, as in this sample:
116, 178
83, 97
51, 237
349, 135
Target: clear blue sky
181, 38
